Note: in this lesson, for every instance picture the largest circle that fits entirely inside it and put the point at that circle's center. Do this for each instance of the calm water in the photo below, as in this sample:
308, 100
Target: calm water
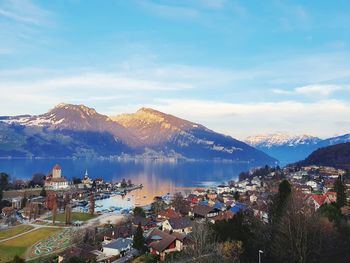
157, 177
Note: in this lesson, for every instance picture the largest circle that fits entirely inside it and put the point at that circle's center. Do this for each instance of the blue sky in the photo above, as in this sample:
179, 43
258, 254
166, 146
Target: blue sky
238, 67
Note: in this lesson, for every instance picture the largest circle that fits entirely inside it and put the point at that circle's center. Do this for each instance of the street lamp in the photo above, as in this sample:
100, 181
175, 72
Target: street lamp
260, 252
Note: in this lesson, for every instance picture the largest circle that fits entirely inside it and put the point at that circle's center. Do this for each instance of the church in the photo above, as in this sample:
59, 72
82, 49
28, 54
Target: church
55, 180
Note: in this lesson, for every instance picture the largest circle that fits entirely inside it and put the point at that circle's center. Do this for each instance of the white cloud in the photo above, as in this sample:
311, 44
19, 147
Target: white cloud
24, 11
322, 118
320, 89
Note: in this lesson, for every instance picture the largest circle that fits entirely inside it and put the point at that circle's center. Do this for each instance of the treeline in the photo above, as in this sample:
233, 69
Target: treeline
336, 156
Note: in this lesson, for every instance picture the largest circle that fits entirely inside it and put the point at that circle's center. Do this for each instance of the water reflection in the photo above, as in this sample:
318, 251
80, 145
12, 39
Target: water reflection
158, 178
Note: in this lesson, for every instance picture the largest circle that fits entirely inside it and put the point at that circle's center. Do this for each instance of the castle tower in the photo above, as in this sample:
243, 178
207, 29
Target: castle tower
56, 171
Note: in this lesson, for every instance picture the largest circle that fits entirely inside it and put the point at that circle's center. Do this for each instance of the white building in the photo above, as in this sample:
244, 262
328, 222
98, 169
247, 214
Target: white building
117, 247
55, 180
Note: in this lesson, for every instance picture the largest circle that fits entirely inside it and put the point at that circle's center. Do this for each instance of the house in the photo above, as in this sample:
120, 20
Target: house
260, 211
146, 223
202, 211
237, 207
8, 211
220, 206
161, 243
223, 189
193, 199
117, 247
167, 214
179, 225
227, 215
17, 202
332, 196
316, 201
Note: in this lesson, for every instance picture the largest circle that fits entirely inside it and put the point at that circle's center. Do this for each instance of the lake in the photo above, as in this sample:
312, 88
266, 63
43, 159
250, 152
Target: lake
157, 177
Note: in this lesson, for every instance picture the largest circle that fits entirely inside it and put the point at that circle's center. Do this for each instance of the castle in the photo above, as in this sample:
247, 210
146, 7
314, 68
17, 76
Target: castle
55, 180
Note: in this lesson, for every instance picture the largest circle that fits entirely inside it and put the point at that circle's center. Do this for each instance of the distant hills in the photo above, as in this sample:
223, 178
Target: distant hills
287, 148
78, 131
336, 155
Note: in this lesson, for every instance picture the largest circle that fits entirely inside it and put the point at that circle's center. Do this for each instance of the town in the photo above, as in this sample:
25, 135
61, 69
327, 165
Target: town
51, 219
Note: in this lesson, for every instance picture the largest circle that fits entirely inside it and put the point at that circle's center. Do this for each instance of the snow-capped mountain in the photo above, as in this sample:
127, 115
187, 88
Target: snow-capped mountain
288, 149
76, 130
75, 118
281, 139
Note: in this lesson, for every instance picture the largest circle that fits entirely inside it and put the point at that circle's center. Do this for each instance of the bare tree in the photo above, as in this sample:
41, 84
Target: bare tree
203, 244
178, 202
298, 236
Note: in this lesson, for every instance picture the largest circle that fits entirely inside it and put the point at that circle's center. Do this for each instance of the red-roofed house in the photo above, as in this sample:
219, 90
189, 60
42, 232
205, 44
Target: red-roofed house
316, 200
168, 214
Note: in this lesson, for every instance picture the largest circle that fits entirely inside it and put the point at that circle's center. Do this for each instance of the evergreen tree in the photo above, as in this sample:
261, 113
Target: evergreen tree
339, 188
43, 192
139, 240
4, 180
138, 211
279, 202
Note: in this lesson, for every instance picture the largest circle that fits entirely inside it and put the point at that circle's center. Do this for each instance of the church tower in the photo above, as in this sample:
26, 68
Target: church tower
56, 171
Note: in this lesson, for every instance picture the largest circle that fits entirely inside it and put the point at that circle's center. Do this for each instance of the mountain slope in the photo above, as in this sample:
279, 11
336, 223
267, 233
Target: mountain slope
284, 147
336, 155
167, 133
75, 118
78, 131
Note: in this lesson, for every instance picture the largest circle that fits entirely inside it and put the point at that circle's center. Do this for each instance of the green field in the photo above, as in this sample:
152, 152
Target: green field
14, 231
18, 246
76, 216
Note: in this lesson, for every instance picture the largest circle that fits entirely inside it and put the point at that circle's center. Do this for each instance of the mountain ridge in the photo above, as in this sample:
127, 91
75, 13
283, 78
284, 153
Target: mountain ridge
79, 130
288, 148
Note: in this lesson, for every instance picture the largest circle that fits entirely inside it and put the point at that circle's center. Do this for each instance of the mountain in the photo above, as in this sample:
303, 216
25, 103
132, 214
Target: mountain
74, 118
336, 156
289, 149
284, 147
78, 131
167, 133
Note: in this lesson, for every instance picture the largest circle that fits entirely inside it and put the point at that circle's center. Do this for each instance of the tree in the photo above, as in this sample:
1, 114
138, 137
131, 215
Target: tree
178, 202
37, 179
331, 211
129, 183
17, 259
278, 203
230, 251
298, 237
43, 192
339, 188
123, 184
236, 196
158, 205
138, 211
203, 241
4, 180
139, 240
76, 180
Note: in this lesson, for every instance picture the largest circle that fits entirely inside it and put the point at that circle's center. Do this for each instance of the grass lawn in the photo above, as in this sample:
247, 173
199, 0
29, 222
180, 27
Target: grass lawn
18, 246
76, 216
14, 231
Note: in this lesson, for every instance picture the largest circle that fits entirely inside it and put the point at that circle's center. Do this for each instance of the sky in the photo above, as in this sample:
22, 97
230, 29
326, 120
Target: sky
239, 67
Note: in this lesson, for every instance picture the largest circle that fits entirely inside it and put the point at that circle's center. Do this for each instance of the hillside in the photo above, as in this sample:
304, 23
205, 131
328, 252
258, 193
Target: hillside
335, 155
78, 131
